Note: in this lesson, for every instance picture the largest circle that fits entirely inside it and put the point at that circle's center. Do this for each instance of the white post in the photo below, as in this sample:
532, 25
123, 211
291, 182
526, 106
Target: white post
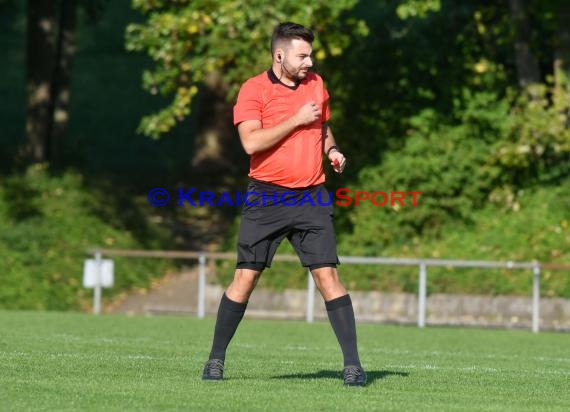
97, 288
201, 286
535, 298
310, 298
422, 295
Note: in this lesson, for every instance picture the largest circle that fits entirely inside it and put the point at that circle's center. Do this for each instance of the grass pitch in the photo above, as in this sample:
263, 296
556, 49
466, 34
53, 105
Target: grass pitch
80, 362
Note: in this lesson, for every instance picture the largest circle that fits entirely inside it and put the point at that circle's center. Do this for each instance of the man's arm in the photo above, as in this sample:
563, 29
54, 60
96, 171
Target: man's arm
337, 159
255, 138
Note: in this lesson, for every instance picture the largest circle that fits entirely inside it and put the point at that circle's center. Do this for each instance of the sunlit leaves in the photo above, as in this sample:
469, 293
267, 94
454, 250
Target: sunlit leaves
537, 146
417, 8
188, 40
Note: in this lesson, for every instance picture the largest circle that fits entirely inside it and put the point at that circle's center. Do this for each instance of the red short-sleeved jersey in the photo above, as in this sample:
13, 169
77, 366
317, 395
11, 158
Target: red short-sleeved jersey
296, 161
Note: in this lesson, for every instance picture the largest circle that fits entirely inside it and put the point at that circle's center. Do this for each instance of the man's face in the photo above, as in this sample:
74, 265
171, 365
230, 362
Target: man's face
297, 60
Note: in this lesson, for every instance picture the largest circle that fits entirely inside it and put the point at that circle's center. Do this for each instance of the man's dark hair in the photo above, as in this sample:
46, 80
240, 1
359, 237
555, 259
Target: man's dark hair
289, 31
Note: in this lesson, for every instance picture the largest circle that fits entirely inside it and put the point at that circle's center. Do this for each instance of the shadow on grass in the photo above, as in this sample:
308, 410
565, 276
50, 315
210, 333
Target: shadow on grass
372, 376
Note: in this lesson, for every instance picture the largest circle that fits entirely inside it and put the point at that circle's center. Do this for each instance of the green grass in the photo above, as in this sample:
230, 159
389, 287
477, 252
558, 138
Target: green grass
66, 361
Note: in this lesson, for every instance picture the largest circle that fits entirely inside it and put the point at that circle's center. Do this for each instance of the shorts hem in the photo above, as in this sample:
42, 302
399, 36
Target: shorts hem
257, 266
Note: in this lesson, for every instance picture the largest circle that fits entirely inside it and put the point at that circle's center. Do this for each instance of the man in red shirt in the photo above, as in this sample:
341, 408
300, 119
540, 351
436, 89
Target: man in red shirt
281, 118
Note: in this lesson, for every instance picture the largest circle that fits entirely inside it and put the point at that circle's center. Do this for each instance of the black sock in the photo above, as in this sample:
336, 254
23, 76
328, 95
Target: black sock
341, 316
230, 314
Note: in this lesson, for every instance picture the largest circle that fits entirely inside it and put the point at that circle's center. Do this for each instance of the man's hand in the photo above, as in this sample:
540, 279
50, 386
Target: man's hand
308, 113
338, 161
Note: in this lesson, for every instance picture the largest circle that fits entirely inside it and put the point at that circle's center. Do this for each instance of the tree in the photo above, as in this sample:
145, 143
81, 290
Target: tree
61, 79
41, 52
526, 62
193, 43
50, 48
562, 44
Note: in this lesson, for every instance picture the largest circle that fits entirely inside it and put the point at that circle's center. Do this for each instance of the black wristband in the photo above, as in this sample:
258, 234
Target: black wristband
332, 147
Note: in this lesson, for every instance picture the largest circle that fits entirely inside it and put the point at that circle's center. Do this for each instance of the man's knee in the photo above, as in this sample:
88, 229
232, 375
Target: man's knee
247, 276
324, 272
326, 277
243, 284
328, 282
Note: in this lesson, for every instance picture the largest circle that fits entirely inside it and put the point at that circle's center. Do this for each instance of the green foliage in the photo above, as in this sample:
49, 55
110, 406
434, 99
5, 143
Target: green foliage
538, 228
190, 41
501, 162
403, 67
446, 163
537, 146
417, 8
47, 224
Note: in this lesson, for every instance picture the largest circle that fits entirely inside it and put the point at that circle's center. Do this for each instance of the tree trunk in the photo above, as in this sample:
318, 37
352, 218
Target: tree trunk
562, 46
528, 70
60, 85
217, 150
40, 49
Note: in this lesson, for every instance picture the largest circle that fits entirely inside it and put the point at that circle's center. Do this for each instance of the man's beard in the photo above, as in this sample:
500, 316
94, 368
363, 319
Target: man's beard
301, 74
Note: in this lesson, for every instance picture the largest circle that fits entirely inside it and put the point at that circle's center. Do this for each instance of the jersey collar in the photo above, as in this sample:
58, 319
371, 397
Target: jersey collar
275, 80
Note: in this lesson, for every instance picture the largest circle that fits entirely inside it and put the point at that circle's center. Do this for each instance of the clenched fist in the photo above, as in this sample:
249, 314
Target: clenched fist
308, 113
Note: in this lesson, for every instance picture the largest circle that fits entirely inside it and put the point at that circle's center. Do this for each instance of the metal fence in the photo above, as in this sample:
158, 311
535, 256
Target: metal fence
422, 264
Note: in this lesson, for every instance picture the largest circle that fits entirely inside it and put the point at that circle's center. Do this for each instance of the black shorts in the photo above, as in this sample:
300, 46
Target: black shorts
304, 216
